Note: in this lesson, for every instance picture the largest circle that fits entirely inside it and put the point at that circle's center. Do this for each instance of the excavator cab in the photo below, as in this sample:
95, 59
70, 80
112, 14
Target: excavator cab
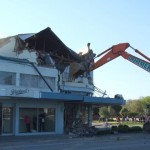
118, 96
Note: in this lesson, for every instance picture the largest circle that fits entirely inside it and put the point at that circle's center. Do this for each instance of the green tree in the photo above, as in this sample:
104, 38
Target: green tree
95, 110
112, 112
124, 111
145, 101
103, 112
117, 108
134, 107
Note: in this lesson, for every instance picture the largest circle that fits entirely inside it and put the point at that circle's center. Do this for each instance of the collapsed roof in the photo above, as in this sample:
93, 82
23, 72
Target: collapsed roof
43, 43
47, 41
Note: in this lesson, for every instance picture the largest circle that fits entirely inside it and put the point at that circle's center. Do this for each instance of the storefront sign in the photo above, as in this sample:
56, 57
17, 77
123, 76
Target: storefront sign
22, 92
15, 92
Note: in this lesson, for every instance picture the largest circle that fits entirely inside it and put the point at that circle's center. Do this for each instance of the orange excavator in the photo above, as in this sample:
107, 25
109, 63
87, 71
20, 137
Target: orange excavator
119, 50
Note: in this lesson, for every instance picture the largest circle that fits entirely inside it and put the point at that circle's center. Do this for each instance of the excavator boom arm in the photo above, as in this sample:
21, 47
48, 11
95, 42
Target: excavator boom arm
137, 61
119, 50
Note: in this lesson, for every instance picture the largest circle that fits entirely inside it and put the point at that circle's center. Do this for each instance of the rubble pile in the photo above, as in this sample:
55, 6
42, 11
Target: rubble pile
81, 129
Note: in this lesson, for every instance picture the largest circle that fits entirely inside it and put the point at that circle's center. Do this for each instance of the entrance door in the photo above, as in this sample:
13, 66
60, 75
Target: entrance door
70, 113
75, 114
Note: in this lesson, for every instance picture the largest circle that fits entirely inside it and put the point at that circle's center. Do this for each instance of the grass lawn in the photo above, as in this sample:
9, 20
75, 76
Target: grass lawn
129, 123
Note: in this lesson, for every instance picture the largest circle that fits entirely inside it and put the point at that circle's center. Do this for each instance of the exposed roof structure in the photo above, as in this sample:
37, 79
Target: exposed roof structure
47, 41
45, 44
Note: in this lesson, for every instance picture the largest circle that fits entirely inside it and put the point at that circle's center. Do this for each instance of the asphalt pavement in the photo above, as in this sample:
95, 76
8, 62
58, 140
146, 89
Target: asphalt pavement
125, 141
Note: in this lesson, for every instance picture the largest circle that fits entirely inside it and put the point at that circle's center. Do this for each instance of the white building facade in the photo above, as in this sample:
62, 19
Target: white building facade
36, 99
20, 97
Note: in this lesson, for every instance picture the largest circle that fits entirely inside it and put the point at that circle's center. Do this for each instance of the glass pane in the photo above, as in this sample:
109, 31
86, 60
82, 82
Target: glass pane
50, 120
32, 80
36, 120
46, 119
27, 120
7, 78
41, 120
35, 81
50, 81
7, 119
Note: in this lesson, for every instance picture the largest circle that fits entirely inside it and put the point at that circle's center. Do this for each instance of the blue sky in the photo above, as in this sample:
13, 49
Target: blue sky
103, 23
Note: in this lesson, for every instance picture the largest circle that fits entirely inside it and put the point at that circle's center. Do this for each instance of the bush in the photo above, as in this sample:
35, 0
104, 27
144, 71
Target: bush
114, 128
146, 127
103, 132
120, 129
135, 129
123, 128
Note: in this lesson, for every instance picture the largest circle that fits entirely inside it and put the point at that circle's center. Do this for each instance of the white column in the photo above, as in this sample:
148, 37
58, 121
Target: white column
90, 115
60, 118
17, 79
16, 119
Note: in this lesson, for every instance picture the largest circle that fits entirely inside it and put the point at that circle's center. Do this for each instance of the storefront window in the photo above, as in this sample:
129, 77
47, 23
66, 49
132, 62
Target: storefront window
7, 122
36, 120
7, 78
49, 80
37, 81
27, 120
26, 77
46, 119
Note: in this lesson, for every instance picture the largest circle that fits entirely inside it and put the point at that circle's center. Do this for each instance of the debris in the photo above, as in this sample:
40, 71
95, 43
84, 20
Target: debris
81, 129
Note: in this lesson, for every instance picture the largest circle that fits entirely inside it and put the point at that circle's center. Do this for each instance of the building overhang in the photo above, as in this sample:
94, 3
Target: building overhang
84, 99
61, 97
103, 100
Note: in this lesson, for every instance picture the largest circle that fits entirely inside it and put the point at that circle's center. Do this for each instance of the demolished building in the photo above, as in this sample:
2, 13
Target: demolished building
44, 85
